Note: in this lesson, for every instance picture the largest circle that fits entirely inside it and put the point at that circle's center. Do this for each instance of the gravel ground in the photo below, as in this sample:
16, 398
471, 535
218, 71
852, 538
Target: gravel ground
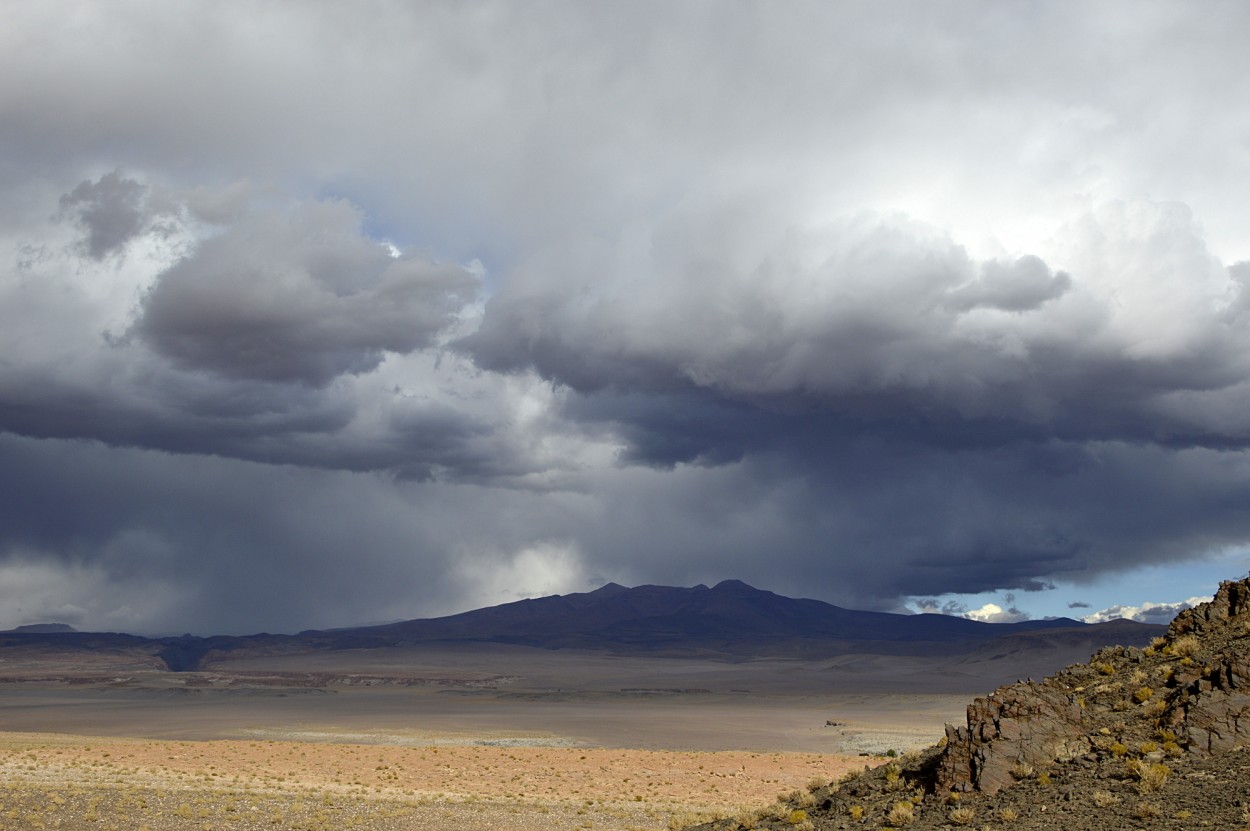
76, 783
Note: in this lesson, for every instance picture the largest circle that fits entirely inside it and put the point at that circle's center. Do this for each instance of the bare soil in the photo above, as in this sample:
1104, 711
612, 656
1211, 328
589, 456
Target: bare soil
436, 738
464, 737
71, 782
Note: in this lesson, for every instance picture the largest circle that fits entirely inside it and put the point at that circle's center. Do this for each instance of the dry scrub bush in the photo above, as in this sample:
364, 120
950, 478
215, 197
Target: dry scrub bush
1150, 778
777, 810
1185, 646
1146, 810
1008, 814
1104, 799
851, 775
1143, 695
1153, 778
1021, 770
747, 821
856, 812
903, 813
962, 816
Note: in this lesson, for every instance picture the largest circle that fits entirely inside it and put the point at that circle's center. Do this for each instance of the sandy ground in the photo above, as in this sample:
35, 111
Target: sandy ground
55, 779
460, 739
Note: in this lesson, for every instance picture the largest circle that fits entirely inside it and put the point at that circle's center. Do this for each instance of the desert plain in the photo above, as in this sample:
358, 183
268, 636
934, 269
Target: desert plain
464, 736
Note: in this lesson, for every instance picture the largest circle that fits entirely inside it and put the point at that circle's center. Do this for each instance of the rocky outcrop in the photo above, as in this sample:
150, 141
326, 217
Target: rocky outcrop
1020, 725
1193, 684
1229, 610
1133, 734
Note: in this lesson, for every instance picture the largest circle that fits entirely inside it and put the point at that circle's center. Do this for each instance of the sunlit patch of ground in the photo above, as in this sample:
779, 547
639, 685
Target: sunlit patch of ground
66, 782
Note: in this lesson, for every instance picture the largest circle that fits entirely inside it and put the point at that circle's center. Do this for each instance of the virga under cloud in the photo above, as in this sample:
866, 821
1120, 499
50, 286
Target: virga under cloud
365, 310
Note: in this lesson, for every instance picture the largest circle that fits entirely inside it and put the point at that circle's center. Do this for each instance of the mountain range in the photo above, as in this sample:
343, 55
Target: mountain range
729, 621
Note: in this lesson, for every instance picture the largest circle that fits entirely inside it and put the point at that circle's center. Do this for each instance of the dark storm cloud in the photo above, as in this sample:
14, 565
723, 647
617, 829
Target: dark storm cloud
247, 339
880, 327
111, 210
248, 421
951, 418
160, 543
837, 301
1019, 286
298, 297
1078, 604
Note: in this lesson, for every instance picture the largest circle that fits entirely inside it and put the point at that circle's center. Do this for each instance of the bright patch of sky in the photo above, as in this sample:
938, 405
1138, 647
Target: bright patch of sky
1152, 594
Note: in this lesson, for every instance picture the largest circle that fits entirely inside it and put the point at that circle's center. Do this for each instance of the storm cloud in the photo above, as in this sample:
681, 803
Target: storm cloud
395, 313
298, 297
110, 210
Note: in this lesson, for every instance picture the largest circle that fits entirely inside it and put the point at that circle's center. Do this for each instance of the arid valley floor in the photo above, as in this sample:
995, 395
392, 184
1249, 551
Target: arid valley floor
496, 737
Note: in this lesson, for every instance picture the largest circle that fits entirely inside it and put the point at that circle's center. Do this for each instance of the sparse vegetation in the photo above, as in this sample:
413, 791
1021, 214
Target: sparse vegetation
1022, 770
893, 778
1150, 777
234, 786
901, 814
1186, 646
962, 816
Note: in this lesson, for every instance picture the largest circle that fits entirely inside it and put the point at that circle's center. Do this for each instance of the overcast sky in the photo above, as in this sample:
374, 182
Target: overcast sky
314, 314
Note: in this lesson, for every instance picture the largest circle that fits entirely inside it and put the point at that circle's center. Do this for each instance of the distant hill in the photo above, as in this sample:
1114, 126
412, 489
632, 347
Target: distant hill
41, 628
729, 621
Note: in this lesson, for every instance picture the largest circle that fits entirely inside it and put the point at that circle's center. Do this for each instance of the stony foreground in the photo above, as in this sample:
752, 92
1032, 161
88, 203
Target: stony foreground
1152, 738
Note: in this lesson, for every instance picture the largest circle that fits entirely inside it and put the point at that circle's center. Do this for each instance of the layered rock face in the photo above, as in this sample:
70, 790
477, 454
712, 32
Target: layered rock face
1194, 685
1023, 724
1210, 707
1135, 738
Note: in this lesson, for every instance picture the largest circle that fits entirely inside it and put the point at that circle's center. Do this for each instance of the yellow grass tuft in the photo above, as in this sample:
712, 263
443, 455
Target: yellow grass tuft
902, 813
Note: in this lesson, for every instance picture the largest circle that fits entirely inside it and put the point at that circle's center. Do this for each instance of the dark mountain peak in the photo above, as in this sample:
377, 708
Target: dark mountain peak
43, 629
734, 586
731, 619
